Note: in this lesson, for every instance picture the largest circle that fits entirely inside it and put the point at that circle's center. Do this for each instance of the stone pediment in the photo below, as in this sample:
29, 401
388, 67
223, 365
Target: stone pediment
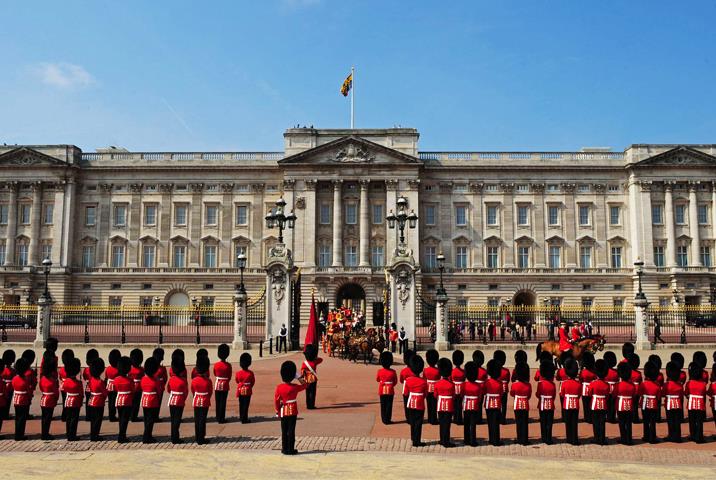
679, 157
26, 157
349, 151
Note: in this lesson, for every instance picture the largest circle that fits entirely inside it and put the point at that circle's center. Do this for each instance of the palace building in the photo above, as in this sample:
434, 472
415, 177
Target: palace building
523, 227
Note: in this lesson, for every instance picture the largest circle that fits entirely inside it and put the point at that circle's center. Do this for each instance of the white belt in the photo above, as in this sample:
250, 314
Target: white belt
432, 381
289, 401
247, 383
470, 397
440, 397
46, 393
201, 393
543, 399
94, 394
69, 394
25, 393
149, 393
458, 383
567, 396
176, 393
671, 397
123, 393
415, 394
387, 383
521, 396
222, 378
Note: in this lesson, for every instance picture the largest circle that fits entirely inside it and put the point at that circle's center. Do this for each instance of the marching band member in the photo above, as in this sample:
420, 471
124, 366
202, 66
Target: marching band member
178, 390
50, 391
8, 373
286, 408
405, 373
416, 389
493, 402
649, 393
522, 392
20, 397
431, 375
308, 372
124, 385
472, 397
222, 373
479, 358
245, 381
90, 356
150, 398
135, 374
110, 374
73, 402
386, 378
624, 393
202, 389
569, 391
673, 394
586, 376
598, 393
458, 380
695, 393
546, 394
97, 398
445, 392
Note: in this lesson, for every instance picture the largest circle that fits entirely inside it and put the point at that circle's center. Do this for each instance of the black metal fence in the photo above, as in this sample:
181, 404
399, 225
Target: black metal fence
256, 318
18, 323
682, 324
424, 318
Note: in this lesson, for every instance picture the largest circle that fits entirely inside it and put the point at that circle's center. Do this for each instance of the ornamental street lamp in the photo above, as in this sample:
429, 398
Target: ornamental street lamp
241, 262
639, 266
441, 293
278, 219
402, 218
46, 265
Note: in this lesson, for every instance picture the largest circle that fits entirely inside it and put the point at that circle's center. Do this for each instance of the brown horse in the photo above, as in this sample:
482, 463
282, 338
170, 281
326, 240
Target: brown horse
593, 344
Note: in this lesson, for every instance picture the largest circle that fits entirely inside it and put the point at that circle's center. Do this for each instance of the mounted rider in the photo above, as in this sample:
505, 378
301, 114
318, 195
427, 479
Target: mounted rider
565, 344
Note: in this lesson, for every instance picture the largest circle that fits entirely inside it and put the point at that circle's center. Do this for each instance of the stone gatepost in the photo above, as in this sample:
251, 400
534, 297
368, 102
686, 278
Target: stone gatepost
240, 299
641, 324
279, 271
42, 331
401, 274
441, 341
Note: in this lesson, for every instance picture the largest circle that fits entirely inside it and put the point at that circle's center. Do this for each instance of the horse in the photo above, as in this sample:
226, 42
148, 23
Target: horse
592, 344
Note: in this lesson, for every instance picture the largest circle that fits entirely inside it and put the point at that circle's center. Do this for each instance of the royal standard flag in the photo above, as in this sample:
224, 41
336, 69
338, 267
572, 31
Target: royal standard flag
347, 84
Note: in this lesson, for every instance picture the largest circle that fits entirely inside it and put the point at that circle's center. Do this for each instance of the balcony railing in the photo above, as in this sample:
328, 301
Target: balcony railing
230, 270
530, 270
532, 156
183, 156
349, 269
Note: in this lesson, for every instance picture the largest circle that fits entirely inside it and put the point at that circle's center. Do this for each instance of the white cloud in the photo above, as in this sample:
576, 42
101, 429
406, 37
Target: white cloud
64, 75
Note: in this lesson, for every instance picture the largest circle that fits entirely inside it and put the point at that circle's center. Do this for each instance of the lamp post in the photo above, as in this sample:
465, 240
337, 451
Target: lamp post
441, 267
241, 263
402, 218
639, 266
158, 317
46, 265
279, 219
195, 304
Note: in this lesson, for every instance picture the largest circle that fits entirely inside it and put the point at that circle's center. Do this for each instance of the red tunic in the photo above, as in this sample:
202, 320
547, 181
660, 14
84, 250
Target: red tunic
636, 378
695, 393
575, 333
415, 388
309, 369
124, 387
284, 398
136, 374
245, 381
386, 378
98, 392
49, 387
493, 394
178, 391
62, 374
569, 391
564, 343
42, 363
537, 376
586, 377
183, 375
546, 393
405, 373
432, 375
649, 395
599, 391
21, 391
481, 375
445, 394
161, 377
612, 379
150, 392
458, 379
505, 379
712, 394
73, 389
7, 375
624, 393
673, 393
31, 376
202, 389
86, 378
3, 395
561, 375
110, 373
682, 377
660, 379
222, 374
522, 391
471, 396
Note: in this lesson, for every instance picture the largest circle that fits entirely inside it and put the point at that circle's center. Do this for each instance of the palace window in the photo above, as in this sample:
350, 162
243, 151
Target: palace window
351, 213
523, 215
493, 257
351, 256
584, 215
492, 215
179, 260
88, 256
703, 213
209, 256
460, 215
656, 215
2, 253
242, 215
324, 256
430, 217
23, 250
431, 257
212, 215
705, 255
659, 256
46, 250
377, 256
48, 214
180, 214
616, 254
614, 215
325, 214
150, 214
682, 255
461, 256
523, 257
680, 214
120, 215
117, 256
90, 216
4, 209
378, 215
555, 256
240, 250
553, 215
25, 214
148, 254
585, 257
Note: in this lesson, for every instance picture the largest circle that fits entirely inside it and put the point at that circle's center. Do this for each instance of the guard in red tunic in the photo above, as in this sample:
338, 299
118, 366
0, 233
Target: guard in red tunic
565, 345
636, 379
3, 397
92, 355
50, 391
416, 389
695, 394
458, 379
500, 357
73, 402
660, 380
150, 398
245, 381
431, 375
402, 376
673, 394
520, 357
284, 400
67, 355
678, 360
546, 394
386, 378
30, 373
712, 395
493, 402
125, 396
569, 391
97, 398
20, 398
178, 354
471, 399
222, 375
627, 350
445, 393
161, 376
612, 379
109, 374
586, 376
309, 367
136, 374
598, 393
624, 395
202, 389
8, 373
201, 353
649, 393
178, 390
479, 358
701, 360
521, 390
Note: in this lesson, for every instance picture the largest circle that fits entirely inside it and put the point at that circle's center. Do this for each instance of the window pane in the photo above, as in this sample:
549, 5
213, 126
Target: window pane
680, 214
492, 257
90, 216
706, 256
553, 215
118, 256
430, 215
180, 256
492, 215
585, 257
46, 251
49, 213
378, 257
461, 257
324, 256
523, 257
656, 214
583, 215
378, 214
703, 214
614, 215
351, 213
325, 214
180, 215
554, 257
242, 215
148, 256
522, 214
150, 215
210, 256
616, 257
4, 209
659, 256
461, 215
430, 257
120, 215
211, 214
88, 256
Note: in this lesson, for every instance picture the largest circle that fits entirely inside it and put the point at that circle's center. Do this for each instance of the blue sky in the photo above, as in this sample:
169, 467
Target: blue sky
470, 75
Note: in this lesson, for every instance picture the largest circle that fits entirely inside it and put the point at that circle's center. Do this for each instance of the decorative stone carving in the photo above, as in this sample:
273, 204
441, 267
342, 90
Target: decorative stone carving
166, 187
391, 185
413, 183
694, 185
403, 280
476, 187
278, 285
354, 154
258, 187
135, 187
300, 203
537, 187
507, 187
445, 187
364, 182
599, 187
568, 187
196, 187
310, 184
227, 187
106, 187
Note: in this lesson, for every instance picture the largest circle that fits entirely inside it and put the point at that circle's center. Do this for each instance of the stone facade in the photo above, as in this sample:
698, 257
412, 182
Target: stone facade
525, 227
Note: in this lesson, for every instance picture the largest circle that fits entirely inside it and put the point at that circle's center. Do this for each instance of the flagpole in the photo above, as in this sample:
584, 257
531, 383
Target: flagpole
353, 89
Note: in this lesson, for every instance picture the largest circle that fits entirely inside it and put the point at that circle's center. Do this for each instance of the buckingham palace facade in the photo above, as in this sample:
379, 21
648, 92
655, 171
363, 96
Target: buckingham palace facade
526, 227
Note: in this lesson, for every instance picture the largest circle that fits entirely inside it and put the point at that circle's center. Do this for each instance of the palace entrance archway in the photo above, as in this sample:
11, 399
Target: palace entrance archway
351, 295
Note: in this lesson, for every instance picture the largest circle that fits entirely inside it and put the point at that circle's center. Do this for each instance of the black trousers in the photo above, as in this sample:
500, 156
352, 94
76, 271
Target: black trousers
599, 426
522, 420
244, 402
175, 415
46, 421
136, 403
494, 415
696, 425
503, 418
392, 347
5, 411
386, 409
124, 414
445, 420
96, 415
288, 434
478, 412
87, 407
64, 415
649, 424
673, 421
73, 417
611, 410
457, 414
415, 419
405, 408
431, 404
587, 404
571, 417
635, 413
546, 420
625, 427
111, 407
311, 395
282, 344
470, 427
402, 346
221, 406
200, 415
21, 413
150, 418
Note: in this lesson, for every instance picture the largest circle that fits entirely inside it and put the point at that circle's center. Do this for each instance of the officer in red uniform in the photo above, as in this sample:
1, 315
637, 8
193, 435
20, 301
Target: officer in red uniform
521, 390
97, 398
565, 344
493, 402
135, 374
150, 398
222, 375
569, 391
386, 378
458, 380
546, 394
124, 386
20, 398
73, 402
245, 381
624, 395
612, 379
109, 374
284, 401
404, 374
8, 373
649, 393
309, 367
445, 393
416, 388
471, 399
431, 375
673, 394
695, 394
479, 358
500, 357
178, 390
202, 389
49, 389
586, 376
598, 393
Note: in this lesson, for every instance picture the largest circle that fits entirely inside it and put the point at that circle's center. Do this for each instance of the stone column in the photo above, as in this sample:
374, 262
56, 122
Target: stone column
11, 224
68, 222
337, 224
103, 219
258, 223
165, 212
508, 225
441, 342
240, 299
402, 294
641, 322
669, 225
540, 230
226, 226
35, 221
571, 226
713, 209
391, 196
307, 223
193, 253
694, 225
278, 291
364, 224
42, 332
